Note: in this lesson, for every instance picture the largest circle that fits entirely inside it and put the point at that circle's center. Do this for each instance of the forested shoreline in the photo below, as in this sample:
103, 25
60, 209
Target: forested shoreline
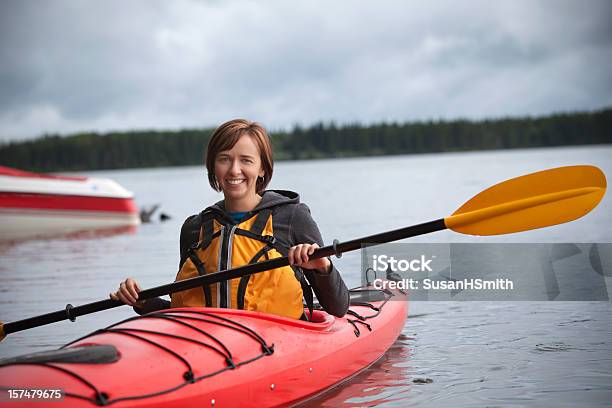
151, 148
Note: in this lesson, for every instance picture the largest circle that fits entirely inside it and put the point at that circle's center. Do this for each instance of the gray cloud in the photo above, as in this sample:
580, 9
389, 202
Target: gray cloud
68, 66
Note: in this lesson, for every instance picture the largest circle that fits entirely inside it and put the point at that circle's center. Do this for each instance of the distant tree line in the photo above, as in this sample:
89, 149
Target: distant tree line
93, 151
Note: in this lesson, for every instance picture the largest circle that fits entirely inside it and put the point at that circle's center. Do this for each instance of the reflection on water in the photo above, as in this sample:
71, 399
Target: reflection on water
94, 233
386, 381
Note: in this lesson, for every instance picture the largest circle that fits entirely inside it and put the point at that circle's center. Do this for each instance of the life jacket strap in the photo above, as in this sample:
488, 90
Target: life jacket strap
260, 222
207, 230
201, 271
267, 239
308, 297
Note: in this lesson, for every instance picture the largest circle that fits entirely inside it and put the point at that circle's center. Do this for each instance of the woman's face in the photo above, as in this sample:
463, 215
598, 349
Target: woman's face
237, 169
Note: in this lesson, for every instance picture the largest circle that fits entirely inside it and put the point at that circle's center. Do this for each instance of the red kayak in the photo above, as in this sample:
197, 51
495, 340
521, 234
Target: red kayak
210, 357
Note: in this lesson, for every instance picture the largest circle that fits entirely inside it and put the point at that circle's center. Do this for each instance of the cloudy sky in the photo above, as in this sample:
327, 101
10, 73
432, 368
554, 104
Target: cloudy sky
68, 66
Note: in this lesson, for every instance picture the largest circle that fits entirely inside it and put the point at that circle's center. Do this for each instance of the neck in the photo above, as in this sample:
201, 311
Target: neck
243, 205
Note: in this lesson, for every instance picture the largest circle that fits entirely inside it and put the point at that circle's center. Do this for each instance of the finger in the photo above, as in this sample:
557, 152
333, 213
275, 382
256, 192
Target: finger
130, 294
304, 253
290, 255
131, 287
124, 293
300, 252
113, 296
122, 298
313, 248
297, 254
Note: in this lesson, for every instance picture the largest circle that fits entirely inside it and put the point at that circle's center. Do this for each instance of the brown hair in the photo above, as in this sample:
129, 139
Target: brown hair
227, 135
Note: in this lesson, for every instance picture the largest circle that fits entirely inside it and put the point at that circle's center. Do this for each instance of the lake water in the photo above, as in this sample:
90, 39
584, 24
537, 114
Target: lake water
475, 353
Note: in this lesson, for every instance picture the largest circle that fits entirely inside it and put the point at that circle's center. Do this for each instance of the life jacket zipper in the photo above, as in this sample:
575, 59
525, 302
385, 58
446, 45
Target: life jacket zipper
224, 289
219, 266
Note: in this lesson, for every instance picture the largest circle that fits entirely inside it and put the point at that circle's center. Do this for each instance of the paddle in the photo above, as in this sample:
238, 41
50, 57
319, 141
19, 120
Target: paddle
532, 201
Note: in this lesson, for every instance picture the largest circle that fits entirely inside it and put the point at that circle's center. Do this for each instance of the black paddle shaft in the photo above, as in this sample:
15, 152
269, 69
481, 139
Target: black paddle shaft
71, 313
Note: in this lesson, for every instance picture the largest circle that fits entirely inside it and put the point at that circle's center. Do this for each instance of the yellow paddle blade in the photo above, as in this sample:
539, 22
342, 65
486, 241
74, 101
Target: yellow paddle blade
536, 200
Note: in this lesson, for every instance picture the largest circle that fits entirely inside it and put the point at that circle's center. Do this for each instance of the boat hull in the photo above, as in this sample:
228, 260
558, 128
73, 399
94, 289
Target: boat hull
35, 205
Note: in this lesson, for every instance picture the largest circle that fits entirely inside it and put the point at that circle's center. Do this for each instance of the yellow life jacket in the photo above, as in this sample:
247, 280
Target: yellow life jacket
223, 246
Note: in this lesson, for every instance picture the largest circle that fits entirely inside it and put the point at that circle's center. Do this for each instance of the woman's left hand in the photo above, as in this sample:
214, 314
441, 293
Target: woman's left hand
299, 255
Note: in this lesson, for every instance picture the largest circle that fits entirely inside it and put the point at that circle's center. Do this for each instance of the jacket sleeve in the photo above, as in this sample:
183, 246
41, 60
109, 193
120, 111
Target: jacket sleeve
330, 289
152, 305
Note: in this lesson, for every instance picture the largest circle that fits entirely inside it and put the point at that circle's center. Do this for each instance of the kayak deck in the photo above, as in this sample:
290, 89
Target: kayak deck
217, 357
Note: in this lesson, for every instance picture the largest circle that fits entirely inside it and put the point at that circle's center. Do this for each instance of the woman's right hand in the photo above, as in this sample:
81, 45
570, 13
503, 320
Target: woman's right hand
128, 293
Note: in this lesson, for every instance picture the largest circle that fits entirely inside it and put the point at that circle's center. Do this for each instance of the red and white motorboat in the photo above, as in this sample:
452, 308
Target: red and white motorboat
33, 205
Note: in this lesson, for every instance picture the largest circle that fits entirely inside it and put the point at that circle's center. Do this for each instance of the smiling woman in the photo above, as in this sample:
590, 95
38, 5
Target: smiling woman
249, 225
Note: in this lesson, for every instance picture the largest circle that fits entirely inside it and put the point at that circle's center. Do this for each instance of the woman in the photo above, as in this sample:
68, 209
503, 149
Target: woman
249, 225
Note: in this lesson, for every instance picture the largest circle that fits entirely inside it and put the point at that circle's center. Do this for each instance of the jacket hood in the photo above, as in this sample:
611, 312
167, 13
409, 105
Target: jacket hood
270, 198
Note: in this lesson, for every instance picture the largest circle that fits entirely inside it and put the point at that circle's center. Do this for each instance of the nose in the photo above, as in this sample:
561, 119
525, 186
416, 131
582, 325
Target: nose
235, 169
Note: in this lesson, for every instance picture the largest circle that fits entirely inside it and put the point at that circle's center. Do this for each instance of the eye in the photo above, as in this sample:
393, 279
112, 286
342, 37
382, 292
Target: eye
222, 159
247, 161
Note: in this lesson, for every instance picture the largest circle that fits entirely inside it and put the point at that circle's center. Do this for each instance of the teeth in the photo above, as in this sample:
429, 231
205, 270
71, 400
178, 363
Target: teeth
235, 181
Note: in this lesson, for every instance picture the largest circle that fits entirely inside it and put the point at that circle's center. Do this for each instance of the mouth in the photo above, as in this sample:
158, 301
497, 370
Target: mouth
235, 181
